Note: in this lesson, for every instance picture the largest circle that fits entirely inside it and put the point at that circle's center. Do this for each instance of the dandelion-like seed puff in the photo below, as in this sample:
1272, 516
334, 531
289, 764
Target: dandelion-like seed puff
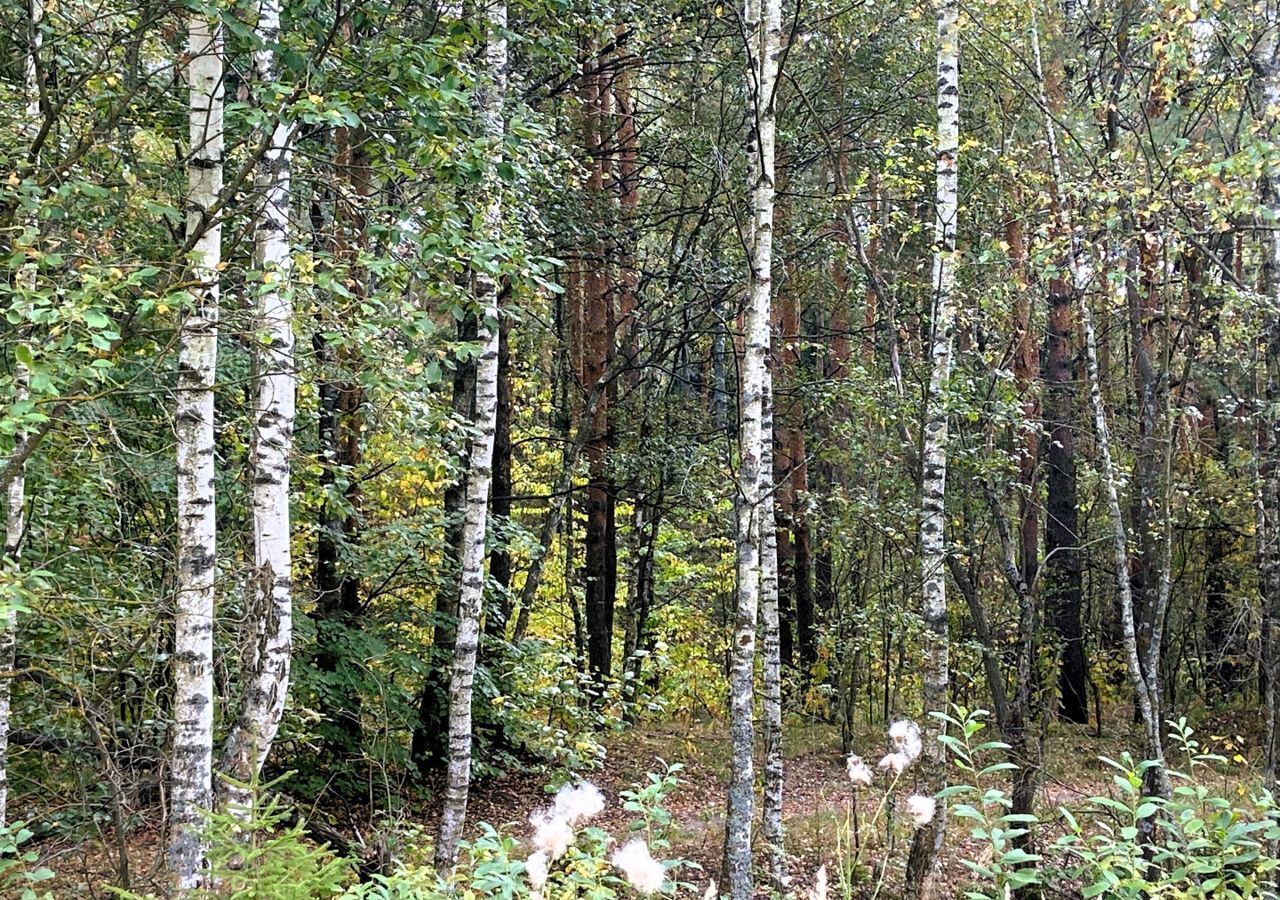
921, 809
819, 889
536, 867
551, 835
895, 763
905, 735
859, 771
642, 871
577, 804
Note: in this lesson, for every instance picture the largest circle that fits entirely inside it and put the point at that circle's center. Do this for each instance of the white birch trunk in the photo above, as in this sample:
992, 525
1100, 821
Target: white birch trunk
270, 625
763, 27
190, 788
1080, 279
490, 99
16, 492
1102, 435
771, 814
927, 840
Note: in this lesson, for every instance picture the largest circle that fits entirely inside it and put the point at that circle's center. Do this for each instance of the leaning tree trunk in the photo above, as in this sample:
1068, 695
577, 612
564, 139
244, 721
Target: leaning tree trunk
270, 626
1157, 776
16, 492
191, 777
763, 29
1102, 435
490, 98
927, 840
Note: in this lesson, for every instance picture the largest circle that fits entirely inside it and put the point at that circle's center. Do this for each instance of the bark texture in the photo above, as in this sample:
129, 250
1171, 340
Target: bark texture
191, 777
771, 813
16, 489
927, 840
1266, 66
270, 625
763, 29
490, 100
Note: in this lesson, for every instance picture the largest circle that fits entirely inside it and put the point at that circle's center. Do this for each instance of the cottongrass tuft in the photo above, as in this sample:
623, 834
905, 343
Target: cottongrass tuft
921, 809
905, 735
536, 867
859, 771
642, 871
819, 889
551, 834
578, 803
895, 763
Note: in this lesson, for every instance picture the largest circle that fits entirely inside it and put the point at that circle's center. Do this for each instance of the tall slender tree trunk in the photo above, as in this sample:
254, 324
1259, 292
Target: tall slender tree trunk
1063, 590
16, 491
500, 500
927, 840
599, 547
763, 30
1266, 66
1157, 778
489, 100
771, 812
1063, 587
1026, 364
427, 747
271, 616
191, 766
1147, 708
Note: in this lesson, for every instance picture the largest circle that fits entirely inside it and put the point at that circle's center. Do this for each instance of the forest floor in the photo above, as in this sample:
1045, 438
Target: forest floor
816, 805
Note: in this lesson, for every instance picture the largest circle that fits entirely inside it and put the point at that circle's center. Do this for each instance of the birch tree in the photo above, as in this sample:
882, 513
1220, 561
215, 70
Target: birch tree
762, 20
190, 788
16, 491
489, 101
1146, 696
927, 840
270, 625
771, 814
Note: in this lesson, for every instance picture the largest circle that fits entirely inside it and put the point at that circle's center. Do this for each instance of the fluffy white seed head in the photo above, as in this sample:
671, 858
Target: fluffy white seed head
577, 803
859, 771
536, 867
921, 809
819, 889
642, 871
895, 763
905, 735
551, 835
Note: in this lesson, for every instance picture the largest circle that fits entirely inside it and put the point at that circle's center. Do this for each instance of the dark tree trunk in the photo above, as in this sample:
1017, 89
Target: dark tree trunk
598, 339
1224, 626
500, 495
1062, 585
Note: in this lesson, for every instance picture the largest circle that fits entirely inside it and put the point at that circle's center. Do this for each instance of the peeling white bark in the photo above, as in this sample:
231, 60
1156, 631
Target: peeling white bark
1081, 277
763, 31
16, 491
270, 625
191, 763
490, 99
771, 814
927, 840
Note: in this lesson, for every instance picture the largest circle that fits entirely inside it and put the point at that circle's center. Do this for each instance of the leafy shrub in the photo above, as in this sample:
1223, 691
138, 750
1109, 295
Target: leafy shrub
19, 873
